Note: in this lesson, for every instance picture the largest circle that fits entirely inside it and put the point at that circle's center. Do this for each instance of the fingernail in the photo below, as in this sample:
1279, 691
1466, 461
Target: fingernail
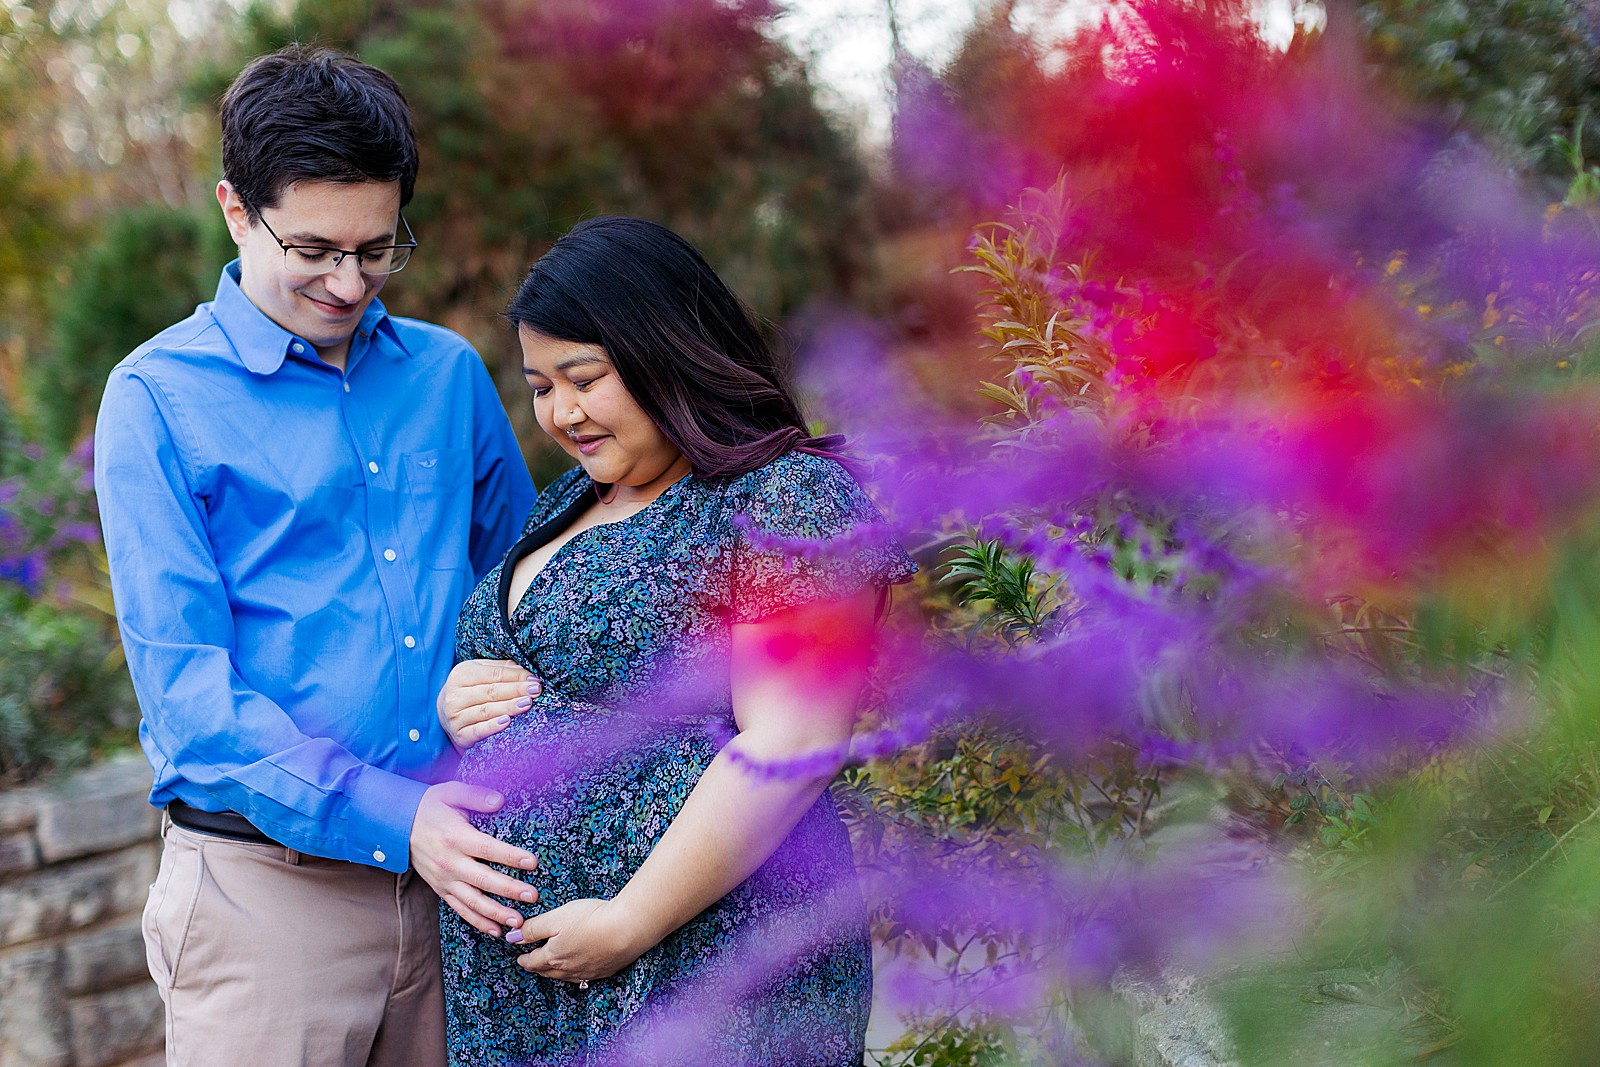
530, 862
515, 937
496, 931
504, 720
533, 689
529, 897
495, 798
524, 702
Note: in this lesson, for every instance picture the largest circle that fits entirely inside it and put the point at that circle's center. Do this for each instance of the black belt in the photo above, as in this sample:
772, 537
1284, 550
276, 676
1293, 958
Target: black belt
217, 823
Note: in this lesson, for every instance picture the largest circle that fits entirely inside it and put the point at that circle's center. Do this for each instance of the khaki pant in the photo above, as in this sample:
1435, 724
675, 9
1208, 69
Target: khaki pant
268, 958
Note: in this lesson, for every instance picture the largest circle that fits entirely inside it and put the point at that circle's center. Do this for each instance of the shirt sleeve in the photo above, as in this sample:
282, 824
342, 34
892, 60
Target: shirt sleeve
804, 532
502, 492
200, 716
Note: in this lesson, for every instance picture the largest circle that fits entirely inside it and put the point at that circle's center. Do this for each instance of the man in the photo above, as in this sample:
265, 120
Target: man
298, 491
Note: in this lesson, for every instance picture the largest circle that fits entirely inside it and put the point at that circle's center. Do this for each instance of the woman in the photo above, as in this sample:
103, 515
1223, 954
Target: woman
695, 597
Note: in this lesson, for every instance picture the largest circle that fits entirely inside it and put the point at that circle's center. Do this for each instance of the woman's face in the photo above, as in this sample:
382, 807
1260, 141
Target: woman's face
581, 403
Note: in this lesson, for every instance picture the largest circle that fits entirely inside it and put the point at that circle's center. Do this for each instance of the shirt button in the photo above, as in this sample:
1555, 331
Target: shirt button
415, 735
411, 642
298, 347
347, 387
379, 856
373, 467
388, 554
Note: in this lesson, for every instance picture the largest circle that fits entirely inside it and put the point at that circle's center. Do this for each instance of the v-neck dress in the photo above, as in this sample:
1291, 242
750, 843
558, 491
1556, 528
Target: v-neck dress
628, 627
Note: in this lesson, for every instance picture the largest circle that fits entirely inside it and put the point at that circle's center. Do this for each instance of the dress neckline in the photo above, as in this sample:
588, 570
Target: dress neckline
551, 528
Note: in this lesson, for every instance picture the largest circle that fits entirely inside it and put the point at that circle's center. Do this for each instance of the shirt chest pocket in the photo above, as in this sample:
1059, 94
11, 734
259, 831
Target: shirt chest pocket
438, 489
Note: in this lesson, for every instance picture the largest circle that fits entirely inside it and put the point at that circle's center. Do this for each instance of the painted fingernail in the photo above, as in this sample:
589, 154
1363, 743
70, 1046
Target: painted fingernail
524, 702
533, 688
504, 720
515, 937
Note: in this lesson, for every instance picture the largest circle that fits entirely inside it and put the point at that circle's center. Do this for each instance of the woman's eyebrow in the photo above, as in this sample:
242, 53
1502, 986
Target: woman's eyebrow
580, 360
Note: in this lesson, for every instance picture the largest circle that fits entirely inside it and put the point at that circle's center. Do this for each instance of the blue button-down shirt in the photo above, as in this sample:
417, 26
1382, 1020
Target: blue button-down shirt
289, 547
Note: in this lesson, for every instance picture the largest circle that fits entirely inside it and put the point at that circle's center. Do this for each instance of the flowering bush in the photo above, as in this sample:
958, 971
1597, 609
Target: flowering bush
63, 691
1266, 646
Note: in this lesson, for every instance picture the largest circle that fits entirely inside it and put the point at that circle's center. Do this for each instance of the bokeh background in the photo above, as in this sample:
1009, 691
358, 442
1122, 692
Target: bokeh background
1228, 366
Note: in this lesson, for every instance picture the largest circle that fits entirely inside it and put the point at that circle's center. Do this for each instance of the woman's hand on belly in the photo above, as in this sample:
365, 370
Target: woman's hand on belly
583, 940
480, 696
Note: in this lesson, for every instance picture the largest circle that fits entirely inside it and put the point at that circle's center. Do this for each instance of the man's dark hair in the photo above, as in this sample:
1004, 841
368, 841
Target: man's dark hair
687, 350
314, 114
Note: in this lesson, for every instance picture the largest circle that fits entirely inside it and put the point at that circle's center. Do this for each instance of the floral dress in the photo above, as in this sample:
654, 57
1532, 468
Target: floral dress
628, 627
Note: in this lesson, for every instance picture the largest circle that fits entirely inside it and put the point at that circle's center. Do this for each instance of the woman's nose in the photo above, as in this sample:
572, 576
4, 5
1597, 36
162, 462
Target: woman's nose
566, 413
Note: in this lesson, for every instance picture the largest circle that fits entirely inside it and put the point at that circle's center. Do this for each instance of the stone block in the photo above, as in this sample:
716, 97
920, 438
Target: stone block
1187, 1033
116, 1026
104, 959
53, 900
98, 809
19, 808
18, 852
33, 1025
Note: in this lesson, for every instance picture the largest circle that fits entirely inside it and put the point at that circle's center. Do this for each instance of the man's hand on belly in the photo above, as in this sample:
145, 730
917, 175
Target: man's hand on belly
450, 853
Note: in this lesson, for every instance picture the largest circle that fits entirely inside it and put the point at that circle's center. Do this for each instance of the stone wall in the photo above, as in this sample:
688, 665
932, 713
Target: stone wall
76, 862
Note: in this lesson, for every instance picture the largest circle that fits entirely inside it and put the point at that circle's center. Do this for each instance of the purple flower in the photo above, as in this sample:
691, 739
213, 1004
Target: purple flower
27, 571
86, 533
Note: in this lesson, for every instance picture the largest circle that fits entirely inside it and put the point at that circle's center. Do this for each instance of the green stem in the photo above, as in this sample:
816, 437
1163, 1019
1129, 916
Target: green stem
1552, 850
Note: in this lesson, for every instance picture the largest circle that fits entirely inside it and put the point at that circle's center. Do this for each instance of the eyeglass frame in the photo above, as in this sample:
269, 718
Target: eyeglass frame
341, 253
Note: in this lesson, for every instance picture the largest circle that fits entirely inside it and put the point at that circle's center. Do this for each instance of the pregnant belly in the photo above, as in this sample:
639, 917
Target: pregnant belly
590, 798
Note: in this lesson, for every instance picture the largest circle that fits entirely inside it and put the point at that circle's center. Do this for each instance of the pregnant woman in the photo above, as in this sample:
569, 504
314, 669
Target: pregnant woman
698, 599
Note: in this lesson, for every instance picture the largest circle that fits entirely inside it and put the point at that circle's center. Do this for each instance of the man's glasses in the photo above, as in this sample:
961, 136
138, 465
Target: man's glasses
312, 260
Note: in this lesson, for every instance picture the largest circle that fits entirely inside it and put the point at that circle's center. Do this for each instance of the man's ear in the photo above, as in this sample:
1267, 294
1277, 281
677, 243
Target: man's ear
234, 213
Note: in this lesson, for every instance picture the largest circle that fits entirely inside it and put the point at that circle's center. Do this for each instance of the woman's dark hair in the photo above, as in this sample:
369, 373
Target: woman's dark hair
314, 114
685, 346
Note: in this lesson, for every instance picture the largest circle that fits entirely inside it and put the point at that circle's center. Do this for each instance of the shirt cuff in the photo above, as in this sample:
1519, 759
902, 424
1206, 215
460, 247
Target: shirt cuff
382, 808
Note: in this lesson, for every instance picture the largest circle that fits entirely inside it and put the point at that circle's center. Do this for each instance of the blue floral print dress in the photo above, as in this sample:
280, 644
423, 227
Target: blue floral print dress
628, 626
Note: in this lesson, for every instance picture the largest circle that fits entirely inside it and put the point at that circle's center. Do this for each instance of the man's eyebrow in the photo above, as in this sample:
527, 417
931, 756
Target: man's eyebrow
304, 238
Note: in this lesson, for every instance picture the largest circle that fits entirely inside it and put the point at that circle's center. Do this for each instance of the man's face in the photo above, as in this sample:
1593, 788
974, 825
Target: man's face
323, 309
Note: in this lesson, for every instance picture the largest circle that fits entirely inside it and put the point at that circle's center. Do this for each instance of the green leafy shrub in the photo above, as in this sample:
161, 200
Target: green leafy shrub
146, 269
64, 692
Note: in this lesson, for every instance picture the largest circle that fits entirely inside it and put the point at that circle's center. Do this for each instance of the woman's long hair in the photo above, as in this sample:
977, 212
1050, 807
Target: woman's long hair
685, 346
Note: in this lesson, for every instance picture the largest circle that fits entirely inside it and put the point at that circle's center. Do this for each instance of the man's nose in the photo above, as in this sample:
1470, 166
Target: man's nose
345, 281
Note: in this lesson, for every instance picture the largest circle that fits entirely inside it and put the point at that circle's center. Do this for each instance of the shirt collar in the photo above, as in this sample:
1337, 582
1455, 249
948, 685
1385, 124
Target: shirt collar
262, 344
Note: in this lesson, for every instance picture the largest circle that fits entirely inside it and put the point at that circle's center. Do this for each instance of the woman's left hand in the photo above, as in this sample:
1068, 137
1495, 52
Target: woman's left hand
480, 696
583, 940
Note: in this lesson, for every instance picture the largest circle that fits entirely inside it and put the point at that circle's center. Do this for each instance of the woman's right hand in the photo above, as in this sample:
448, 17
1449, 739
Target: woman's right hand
480, 696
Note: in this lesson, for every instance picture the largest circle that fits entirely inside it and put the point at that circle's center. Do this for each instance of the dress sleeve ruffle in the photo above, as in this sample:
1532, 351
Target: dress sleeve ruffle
804, 532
